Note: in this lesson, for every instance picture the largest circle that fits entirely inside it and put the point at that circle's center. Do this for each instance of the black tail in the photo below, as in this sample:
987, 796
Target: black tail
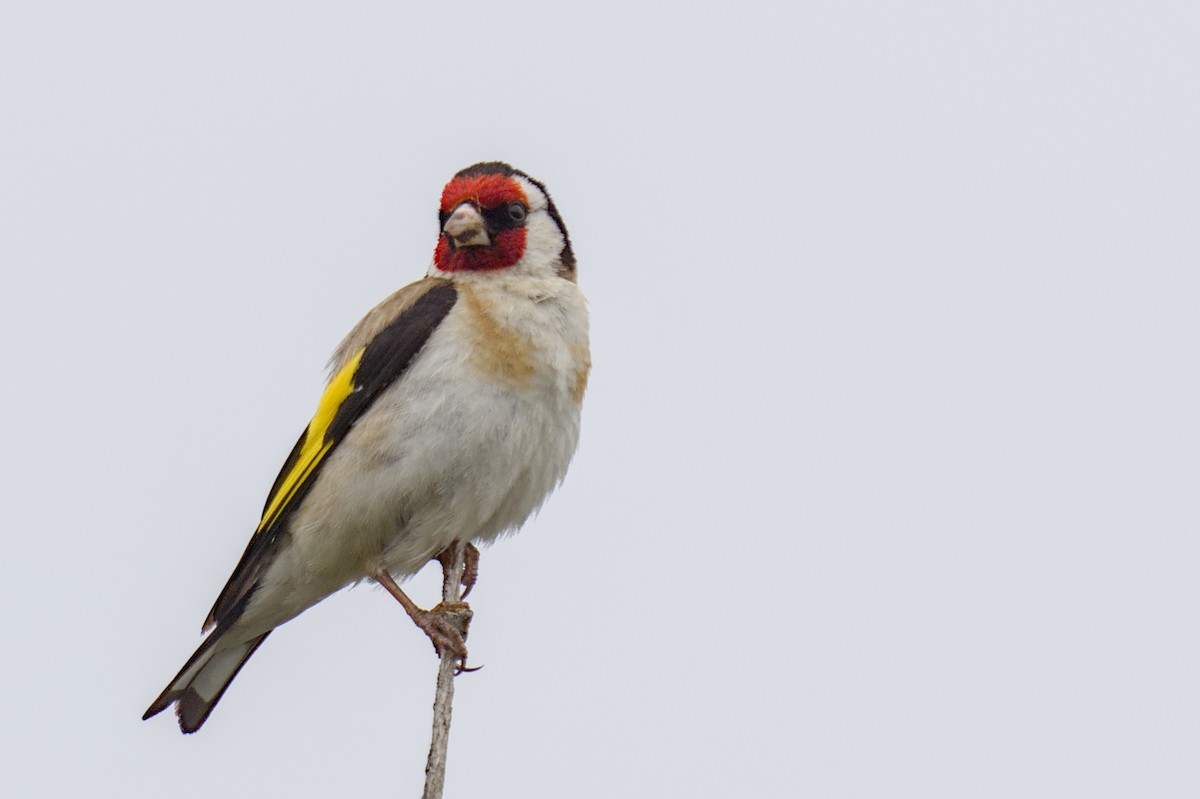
202, 681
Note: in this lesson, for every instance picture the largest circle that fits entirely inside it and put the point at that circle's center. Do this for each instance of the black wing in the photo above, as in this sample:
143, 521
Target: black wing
350, 393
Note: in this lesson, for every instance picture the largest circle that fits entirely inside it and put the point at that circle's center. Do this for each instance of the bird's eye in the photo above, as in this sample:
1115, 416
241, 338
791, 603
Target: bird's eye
516, 212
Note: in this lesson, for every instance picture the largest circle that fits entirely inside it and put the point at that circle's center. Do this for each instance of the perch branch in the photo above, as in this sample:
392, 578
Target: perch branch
443, 699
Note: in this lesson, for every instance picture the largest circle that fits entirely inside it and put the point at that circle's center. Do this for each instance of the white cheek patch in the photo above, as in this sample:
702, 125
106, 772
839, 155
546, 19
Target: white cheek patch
533, 195
544, 240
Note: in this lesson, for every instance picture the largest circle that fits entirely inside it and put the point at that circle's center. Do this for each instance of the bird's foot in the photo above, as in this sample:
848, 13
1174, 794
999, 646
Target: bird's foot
446, 624
470, 565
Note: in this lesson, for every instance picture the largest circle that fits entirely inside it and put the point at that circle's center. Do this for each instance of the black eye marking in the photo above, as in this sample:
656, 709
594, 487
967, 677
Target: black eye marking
505, 217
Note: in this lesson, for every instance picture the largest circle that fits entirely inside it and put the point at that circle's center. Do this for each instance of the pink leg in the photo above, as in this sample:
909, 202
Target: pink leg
446, 624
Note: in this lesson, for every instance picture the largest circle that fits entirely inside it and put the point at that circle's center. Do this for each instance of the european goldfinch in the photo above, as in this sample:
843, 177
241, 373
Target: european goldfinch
452, 410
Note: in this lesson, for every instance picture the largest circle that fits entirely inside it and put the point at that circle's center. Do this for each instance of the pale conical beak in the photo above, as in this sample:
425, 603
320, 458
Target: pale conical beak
465, 227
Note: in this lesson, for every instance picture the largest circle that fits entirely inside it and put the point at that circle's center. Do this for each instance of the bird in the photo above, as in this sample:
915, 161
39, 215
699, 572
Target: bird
451, 412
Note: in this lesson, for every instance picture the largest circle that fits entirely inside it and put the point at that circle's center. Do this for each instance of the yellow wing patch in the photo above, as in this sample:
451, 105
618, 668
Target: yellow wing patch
315, 446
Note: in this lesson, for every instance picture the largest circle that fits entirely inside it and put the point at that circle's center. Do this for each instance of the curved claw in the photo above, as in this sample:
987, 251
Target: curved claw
470, 566
470, 569
446, 625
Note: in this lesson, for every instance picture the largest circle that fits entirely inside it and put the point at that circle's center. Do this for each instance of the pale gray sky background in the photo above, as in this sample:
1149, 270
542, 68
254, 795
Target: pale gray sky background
888, 479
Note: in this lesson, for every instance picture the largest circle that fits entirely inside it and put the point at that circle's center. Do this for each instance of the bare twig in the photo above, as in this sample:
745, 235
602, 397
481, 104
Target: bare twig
443, 699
